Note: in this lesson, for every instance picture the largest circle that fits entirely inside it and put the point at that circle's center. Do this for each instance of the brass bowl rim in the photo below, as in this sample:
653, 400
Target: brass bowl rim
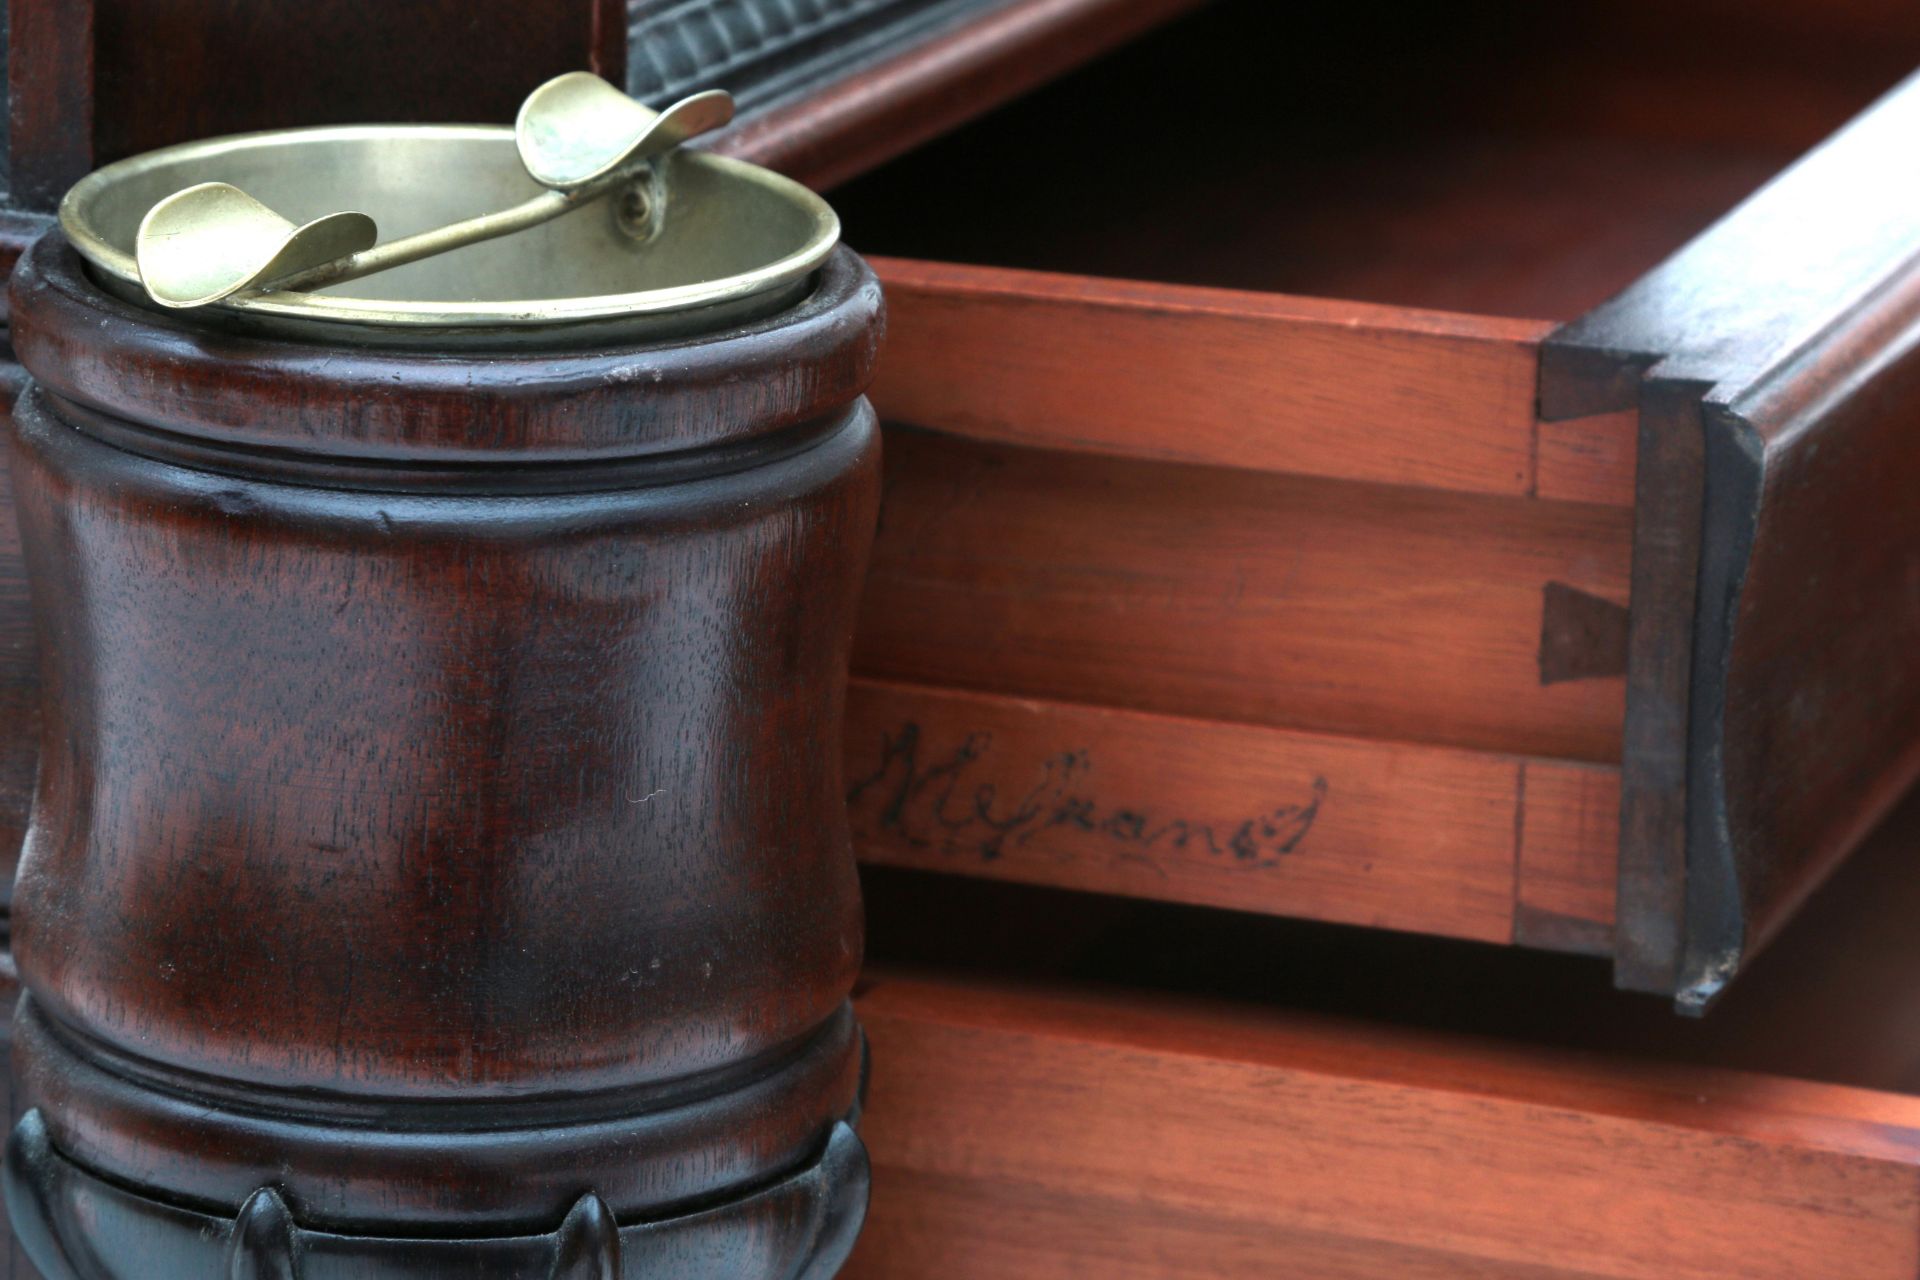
737, 288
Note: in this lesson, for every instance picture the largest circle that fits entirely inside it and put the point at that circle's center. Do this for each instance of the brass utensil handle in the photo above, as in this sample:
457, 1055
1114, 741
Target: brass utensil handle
577, 135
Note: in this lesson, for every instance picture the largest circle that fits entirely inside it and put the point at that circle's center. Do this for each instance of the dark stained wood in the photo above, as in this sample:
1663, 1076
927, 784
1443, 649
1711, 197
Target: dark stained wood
19, 707
200, 68
19, 674
50, 85
1701, 321
903, 96
1568, 860
1773, 708
755, 49
434, 844
1494, 157
92, 81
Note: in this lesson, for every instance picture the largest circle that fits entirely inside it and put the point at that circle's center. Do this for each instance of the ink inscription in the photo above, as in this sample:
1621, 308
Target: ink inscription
939, 801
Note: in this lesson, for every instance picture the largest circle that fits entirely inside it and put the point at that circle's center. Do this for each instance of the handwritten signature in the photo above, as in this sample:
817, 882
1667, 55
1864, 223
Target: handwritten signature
938, 805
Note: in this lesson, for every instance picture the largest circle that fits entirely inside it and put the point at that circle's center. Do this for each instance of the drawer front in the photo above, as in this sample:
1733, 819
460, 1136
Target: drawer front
1022, 1134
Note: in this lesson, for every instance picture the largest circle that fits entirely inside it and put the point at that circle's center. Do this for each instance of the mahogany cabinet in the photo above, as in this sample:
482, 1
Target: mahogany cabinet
1349, 466
1454, 476
94, 81
1396, 474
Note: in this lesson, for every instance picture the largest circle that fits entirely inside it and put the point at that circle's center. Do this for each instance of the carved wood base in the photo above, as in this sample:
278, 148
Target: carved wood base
83, 1227
440, 859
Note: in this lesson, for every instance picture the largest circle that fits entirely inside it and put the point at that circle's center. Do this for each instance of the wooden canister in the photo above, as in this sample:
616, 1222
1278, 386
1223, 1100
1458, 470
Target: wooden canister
439, 862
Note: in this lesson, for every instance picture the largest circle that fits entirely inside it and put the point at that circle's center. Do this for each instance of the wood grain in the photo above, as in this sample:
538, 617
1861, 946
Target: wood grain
1256, 819
193, 69
1256, 381
50, 91
1773, 364
19, 673
1588, 459
1214, 1140
435, 846
1569, 857
1288, 601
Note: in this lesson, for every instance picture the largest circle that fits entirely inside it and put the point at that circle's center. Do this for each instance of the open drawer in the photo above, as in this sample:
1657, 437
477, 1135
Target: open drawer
1024, 1129
1369, 565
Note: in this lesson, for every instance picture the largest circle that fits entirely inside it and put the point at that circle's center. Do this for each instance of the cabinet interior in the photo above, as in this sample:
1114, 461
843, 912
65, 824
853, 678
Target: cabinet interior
1497, 157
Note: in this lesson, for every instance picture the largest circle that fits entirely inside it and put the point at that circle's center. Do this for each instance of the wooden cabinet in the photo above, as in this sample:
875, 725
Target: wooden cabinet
1398, 521
1410, 582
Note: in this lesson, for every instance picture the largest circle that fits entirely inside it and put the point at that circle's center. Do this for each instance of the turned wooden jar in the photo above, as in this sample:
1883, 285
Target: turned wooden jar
439, 862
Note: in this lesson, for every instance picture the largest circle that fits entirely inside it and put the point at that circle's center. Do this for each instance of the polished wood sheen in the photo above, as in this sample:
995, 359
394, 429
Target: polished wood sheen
1176, 1093
93, 80
1415, 516
1028, 1134
1107, 498
1773, 708
98, 80
19, 705
1259, 382
439, 820
19, 677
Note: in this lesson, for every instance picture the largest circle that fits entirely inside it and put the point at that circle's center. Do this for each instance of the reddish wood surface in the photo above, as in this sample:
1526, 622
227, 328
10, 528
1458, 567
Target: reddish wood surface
1454, 843
1569, 860
1369, 610
1512, 1110
1158, 1138
1021, 1133
1587, 459
1253, 381
1043, 574
19, 674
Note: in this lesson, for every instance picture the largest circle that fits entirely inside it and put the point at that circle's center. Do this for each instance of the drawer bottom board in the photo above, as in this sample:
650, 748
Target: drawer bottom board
1022, 1133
